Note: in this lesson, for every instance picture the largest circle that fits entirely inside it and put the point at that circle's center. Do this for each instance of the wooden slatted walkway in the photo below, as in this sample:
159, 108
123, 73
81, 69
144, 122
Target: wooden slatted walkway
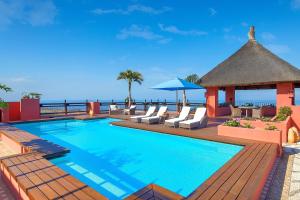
243, 177
30, 142
152, 192
41, 180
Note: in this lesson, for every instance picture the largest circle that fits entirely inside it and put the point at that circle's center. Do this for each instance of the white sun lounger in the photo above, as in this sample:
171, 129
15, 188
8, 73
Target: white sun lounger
149, 113
200, 120
130, 111
157, 118
183, 116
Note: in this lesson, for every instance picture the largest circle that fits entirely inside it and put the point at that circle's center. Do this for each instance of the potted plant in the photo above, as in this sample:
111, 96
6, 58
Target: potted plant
31, 95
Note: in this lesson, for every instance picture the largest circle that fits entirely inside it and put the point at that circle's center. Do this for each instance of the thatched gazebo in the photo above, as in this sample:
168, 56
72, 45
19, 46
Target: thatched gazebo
251, 67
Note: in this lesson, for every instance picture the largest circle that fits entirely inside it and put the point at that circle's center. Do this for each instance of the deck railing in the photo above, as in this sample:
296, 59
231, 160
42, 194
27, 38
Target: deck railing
144, 105
65, 107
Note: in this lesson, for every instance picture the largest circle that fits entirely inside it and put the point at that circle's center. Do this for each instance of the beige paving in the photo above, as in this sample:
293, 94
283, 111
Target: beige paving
286, 179
5, 193
5, 150
294, 191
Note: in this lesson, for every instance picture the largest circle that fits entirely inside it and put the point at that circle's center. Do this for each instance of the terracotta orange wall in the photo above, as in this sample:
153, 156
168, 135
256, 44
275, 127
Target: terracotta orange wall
230, 95
282, 126
285, 95
257, 134
30, 109
4, 115
296, 116
93, 108
212, 101
14, 111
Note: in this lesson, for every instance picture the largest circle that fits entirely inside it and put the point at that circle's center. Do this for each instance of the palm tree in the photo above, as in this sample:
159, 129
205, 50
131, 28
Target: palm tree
193, 78
5, 88
130, 76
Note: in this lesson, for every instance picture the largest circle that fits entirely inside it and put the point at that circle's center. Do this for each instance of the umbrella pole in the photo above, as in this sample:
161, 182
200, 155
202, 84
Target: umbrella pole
177, 108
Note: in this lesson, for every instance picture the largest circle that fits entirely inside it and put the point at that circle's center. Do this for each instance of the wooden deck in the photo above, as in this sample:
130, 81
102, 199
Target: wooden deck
30, 142
152, 192
242, 177
41, 180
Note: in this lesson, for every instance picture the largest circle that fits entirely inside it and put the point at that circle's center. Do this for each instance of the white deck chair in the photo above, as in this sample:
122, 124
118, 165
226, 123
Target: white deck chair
157, 118
149, 113
200, 120
130, 110
182, 116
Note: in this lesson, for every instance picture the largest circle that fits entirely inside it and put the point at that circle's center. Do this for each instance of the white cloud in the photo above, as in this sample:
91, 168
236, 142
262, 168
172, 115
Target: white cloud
212, 11
295, 4
278, 48
227, 30
143, 32
175, 30
34, 12
132, 8
244, 24
268, 36
19, 79
233, 38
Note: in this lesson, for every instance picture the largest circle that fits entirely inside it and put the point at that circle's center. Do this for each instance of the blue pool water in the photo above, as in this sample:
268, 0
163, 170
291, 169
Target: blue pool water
117, 161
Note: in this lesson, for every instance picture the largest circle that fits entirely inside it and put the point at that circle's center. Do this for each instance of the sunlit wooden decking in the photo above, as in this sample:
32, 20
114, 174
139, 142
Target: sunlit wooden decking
243, 177
35, 177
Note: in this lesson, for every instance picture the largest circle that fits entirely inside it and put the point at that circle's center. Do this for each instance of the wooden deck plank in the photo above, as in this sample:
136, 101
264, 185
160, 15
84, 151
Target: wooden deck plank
93, 193
70, 197
25, 183
82, 195
35, 193
242, 180
241, 172
267, 162
48, 191
219, 178
238, 178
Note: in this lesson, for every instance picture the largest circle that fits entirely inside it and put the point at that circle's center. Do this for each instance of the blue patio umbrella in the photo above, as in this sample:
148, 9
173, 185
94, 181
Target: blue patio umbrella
177, 84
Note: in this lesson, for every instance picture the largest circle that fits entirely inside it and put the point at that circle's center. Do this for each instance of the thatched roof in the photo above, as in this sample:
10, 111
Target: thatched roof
252, 65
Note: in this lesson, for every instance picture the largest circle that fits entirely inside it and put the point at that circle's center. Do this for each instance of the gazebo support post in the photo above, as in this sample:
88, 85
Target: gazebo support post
230, 95
285, 95
212, 101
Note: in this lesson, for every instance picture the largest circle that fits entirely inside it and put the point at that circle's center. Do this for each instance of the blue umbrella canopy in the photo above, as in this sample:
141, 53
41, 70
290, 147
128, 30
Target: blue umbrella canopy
177, 84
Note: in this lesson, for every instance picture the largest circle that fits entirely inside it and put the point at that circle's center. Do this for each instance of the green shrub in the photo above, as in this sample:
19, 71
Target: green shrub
270, 127
266, 119
247, 125
233, 123
283, 113
3, 104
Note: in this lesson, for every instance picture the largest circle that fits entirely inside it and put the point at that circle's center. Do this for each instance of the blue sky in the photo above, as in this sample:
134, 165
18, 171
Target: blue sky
75, 49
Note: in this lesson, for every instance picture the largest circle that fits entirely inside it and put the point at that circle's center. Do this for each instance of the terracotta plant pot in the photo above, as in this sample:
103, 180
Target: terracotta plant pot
292, 136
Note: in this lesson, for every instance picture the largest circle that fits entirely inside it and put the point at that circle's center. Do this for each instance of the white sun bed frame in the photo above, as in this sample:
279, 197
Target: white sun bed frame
182, 116
149, 113
157, 118
200, 120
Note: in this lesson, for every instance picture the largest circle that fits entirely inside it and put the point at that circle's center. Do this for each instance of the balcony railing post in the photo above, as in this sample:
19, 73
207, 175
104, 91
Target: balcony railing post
66, 107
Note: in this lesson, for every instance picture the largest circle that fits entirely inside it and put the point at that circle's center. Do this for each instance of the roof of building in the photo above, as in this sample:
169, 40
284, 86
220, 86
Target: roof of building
251, 65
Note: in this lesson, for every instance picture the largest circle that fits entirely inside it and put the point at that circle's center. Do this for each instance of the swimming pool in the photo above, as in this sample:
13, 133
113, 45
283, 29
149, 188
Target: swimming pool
118, 161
